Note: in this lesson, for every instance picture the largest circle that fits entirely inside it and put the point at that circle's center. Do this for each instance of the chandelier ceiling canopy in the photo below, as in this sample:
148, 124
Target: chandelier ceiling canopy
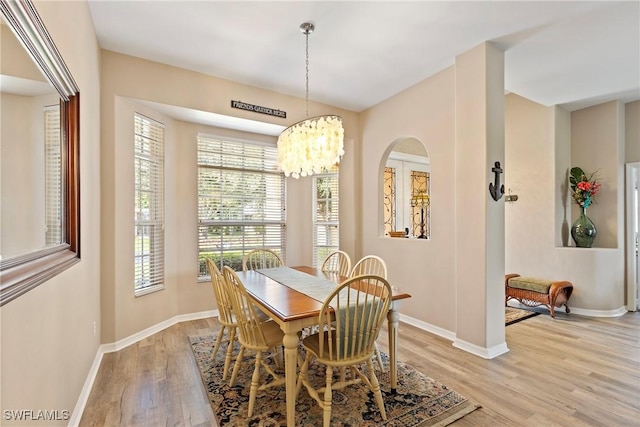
312, 145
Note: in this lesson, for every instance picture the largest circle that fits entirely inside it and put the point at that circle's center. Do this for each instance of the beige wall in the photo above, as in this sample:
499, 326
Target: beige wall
47, 339
632, 132
538, 152
14, 59
424, 268
124, 314
193, 297
22, 175
597, 145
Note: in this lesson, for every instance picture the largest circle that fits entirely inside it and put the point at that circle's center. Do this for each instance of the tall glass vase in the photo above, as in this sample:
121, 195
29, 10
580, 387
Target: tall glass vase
583, 231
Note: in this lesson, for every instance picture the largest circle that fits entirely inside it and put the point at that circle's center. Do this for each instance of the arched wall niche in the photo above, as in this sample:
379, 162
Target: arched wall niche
404, 188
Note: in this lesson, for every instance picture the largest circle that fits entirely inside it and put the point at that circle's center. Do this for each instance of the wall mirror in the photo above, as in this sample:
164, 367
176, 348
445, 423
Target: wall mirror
406, 190
39, 146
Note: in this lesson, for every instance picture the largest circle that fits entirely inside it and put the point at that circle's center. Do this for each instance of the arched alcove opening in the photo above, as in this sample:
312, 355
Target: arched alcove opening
405, 188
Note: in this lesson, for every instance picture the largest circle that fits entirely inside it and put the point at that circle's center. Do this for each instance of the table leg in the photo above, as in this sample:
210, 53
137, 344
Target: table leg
290, 342
392, 326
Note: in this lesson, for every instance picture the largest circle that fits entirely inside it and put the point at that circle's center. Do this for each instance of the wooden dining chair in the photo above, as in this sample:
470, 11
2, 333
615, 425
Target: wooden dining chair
372, 264
350, 320
337, 262
261, 258
254, 334
225, 316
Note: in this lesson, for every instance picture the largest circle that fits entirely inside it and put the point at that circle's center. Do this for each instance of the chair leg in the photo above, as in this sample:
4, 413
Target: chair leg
278, 357
375, 387
236, 367
227, 359
328, 395
216, 346
378, 357
255, 380
303, 373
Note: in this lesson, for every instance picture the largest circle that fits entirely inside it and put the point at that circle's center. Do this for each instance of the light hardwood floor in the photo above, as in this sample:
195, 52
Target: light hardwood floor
571, 371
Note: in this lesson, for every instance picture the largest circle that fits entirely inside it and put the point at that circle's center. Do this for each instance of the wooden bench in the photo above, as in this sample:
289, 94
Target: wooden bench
532, 292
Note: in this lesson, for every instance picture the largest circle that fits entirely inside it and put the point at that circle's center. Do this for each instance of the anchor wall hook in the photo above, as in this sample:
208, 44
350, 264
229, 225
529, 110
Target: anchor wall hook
495, 188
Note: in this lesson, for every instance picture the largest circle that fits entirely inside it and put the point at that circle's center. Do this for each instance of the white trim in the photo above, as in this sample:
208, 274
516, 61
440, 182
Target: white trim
428, 327
138, 336
579, 311
599, 313
632, 177
148, 290
74, 420
484, 352
414, 158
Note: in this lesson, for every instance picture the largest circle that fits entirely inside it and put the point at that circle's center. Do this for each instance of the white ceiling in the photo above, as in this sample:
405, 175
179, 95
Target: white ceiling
570, 53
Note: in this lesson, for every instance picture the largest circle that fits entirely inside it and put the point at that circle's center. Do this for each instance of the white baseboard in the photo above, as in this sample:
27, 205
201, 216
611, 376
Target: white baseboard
580, 311
484, 352
74, 420
599, 313
428, 327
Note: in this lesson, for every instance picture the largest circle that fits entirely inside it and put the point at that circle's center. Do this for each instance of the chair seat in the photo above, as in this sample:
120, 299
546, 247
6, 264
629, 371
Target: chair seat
261, 315
272, 333
312, 343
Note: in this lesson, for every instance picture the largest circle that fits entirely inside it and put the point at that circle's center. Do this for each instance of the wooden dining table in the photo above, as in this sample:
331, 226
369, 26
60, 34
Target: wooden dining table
294, 310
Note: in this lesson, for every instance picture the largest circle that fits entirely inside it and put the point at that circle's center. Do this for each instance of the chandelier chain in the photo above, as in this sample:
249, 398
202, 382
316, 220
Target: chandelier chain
307, 74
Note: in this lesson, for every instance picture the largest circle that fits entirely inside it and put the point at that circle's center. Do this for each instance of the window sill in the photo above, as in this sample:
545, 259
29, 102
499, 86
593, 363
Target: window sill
148, 290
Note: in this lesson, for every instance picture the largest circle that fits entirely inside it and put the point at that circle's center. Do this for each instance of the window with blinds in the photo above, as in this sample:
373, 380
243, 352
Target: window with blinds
241, 201
326, 208
149, 205
53, 176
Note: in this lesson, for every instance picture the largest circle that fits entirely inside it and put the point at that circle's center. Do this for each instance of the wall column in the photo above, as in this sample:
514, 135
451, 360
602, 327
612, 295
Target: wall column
479, 239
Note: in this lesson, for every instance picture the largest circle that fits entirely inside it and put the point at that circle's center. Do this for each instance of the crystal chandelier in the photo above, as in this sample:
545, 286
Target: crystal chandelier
312, 145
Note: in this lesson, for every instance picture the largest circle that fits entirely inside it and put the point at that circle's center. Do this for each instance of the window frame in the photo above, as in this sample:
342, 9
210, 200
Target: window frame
317, 257
269, 169
154, 160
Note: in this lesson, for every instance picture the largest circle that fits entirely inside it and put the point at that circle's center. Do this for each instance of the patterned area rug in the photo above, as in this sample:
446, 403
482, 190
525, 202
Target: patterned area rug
513, 315
419, 400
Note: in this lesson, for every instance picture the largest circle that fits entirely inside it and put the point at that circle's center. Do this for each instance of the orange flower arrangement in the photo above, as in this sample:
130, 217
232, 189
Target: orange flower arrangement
584, 187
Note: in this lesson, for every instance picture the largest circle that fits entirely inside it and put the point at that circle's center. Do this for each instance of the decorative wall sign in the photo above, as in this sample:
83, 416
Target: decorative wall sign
258, 109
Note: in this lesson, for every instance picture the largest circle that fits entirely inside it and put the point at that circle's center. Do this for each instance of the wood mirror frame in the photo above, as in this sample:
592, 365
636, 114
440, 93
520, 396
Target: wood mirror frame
22, 273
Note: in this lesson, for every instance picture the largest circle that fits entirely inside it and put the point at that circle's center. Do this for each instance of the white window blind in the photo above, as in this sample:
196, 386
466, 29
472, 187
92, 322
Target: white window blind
53, 176
149, 205
326, 209
241, 201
